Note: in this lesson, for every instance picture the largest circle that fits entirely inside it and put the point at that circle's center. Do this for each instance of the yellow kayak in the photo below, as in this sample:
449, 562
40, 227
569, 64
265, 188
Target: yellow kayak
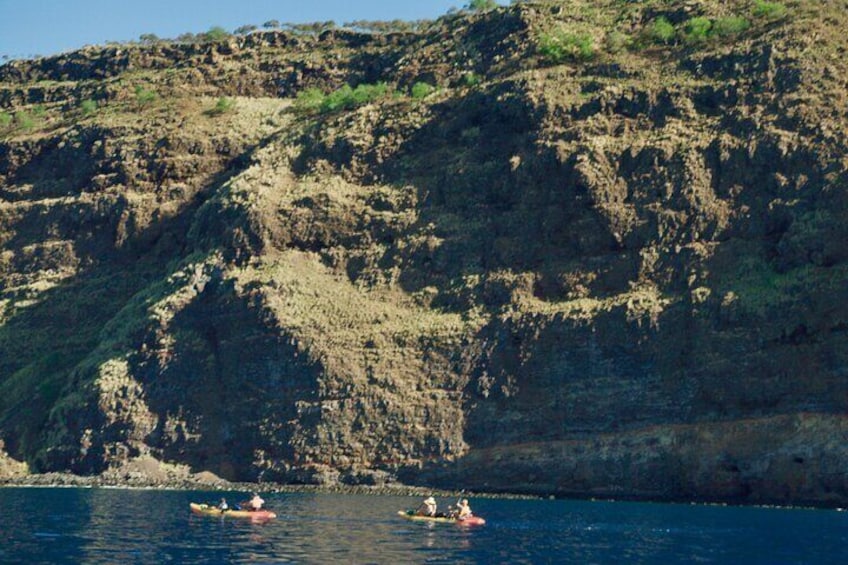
470, 521
207, 510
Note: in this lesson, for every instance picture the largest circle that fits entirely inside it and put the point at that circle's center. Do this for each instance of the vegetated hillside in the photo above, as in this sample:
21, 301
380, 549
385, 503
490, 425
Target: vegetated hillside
584, 248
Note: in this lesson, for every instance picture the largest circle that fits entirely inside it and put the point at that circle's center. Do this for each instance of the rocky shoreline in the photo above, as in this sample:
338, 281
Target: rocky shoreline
67, 480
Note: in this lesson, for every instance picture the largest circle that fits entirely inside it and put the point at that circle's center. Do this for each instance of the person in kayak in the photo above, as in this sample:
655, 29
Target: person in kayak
463, 510
427, 508
256, 502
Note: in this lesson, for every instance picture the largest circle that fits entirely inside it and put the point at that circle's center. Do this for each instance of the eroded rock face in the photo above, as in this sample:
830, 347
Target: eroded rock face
10, 468
621, 277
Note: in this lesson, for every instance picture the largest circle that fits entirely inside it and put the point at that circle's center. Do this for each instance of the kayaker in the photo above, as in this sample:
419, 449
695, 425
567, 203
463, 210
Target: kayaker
222, 506
427, 508
256, 502
463, 510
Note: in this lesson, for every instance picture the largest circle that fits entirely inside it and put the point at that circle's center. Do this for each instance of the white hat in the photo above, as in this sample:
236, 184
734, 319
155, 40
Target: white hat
430, 500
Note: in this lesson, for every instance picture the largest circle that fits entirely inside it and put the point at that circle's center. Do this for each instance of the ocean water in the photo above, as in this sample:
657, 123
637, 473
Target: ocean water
116, 526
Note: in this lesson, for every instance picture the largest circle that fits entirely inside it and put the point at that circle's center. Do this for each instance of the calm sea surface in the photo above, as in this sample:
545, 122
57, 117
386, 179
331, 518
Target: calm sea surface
63, 525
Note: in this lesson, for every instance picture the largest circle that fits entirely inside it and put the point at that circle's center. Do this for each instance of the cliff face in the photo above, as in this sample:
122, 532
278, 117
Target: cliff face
622, 272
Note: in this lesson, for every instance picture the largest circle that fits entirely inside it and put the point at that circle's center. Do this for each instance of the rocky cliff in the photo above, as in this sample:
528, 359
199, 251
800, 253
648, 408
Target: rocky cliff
573, 248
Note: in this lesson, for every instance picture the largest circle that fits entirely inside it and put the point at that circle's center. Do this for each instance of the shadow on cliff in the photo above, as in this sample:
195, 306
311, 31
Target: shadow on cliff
227, 391
43, 342
58, 169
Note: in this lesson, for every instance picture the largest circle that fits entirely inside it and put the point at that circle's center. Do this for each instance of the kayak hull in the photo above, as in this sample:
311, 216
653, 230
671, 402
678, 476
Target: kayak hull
472, 521
206, 510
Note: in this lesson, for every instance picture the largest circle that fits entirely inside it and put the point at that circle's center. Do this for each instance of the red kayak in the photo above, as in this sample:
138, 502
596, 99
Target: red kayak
470, 521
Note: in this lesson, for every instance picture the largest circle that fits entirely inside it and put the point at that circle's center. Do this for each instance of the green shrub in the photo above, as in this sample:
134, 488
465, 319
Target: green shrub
470, 79
422, 89
88, 107
365, 93
309, 100
245, 29
144, 97
216, 33
24, 120
729, 26
661, 31
347, 97
222, 106
5, 119
340, 99
616, 41
769, 10
480, 5
560, 46
697, 30
313, 28
384, 27
39, 111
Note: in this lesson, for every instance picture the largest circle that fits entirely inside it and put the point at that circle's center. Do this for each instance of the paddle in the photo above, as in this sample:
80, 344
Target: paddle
453, 511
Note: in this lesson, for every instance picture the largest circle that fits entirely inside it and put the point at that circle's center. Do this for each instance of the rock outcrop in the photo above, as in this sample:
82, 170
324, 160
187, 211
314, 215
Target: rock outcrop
620, 272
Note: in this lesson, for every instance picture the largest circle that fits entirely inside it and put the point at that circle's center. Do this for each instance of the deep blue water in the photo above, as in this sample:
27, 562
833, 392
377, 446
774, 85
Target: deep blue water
70, 525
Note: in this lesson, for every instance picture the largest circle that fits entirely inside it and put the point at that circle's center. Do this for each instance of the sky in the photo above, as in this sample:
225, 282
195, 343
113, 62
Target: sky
30, 28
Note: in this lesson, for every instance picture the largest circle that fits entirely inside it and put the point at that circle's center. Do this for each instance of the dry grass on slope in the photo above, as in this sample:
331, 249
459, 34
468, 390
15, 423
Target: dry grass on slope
337, 319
